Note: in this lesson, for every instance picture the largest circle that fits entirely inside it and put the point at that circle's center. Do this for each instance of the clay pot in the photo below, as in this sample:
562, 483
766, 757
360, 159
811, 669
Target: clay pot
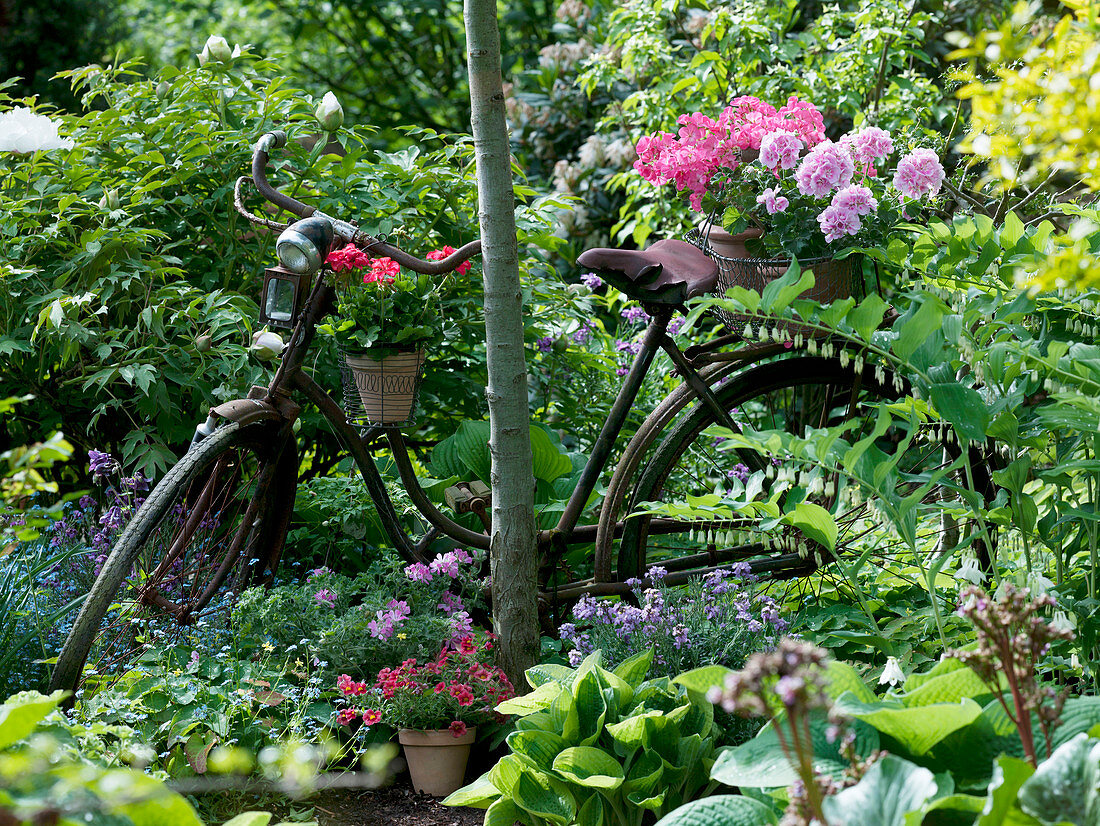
387, 386
727, 245
437, 759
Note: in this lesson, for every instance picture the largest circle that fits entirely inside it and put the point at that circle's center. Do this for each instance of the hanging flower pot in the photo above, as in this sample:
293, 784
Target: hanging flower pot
386, 385
437, 758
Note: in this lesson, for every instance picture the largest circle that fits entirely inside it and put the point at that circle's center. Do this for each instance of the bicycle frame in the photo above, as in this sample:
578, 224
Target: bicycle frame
290, 376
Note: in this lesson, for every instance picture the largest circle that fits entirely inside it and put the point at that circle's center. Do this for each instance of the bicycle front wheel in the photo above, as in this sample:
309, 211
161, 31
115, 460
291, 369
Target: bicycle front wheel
677, 517
215, 524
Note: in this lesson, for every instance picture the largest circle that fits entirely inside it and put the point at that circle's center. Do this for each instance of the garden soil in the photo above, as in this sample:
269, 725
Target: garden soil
395, 805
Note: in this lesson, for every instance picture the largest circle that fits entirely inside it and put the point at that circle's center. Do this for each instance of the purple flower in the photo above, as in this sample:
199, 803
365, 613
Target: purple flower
632, 347
582, 334
418, 572
740, 471
101, 464
622, 370
680, 636
545, 344
635, 314
325, 597
591, 280
445, 564
86, 502
656, 573
194, 661
318, 572
450, 603
788, 687
675, 326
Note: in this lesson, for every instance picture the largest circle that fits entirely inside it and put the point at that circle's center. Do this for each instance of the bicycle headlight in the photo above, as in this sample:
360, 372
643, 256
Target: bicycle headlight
303, 246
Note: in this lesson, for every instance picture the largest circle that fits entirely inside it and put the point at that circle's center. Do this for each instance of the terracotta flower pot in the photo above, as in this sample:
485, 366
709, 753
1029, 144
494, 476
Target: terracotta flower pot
387, 386
727, 245
437, 759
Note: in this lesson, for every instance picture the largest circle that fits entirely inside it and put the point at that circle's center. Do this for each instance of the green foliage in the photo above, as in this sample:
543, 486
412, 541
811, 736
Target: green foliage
340, 620
375, 315
597, 746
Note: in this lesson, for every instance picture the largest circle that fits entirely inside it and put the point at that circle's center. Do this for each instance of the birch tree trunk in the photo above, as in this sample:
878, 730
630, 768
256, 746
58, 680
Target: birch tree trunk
513, 560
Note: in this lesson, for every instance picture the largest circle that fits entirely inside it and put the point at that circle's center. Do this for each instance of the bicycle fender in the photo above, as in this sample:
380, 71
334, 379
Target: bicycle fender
246, 411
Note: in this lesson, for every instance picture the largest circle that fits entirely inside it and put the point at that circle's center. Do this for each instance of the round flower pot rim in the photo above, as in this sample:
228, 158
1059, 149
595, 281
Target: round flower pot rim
418, 736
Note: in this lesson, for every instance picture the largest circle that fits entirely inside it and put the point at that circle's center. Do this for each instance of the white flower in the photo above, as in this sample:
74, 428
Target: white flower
329, 113
1063, 622
216, 50
21, 130
892, 673
1038, 584
266, 345
971, 571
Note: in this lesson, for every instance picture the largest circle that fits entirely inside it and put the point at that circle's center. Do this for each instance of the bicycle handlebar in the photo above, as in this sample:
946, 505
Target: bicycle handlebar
261, 153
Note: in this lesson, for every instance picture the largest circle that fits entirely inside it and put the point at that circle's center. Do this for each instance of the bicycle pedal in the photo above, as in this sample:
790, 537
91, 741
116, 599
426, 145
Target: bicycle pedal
468, 497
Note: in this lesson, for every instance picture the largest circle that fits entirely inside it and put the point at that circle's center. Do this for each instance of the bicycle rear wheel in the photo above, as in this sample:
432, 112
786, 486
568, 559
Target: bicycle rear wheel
214, 525
690, 472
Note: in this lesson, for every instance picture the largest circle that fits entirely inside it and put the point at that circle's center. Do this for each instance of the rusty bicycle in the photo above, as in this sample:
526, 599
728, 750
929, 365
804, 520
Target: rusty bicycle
218, 519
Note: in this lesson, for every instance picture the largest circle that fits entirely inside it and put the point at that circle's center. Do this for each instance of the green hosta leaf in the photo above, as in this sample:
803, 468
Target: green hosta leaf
21, 713
536, 721
545, 796
250, 819
591, 708
641, 801
477, 795
720, 810
506, 773
1079, 714
916, 729
589, 767
701, 680
891, 789
591, 813
632, 732
841, 677
541, 747
645, 774
1066, 787
946, 666
548, 672
504, 812
963, 407
1009, 774
466, 453
542, 697
548, 462
969, 753
947, 688
566, 718
633, 669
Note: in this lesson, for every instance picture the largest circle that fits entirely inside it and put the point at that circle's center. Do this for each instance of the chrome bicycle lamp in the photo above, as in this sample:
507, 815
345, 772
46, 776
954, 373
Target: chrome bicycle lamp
303, 246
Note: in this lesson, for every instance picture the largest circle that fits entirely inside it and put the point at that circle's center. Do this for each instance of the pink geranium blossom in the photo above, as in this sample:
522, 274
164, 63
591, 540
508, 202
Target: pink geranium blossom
828, 167
779, 150
855, 198
439, 255
918, 174
837, 222
868, 146
772, 203
325, 597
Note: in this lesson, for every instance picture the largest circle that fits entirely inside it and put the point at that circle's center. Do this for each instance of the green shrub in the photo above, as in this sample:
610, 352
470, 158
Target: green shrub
597, 746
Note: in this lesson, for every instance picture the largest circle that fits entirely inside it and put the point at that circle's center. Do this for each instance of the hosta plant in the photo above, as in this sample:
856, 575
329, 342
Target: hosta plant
598, 747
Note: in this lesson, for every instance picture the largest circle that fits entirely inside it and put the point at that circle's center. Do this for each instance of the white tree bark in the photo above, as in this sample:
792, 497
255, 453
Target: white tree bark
513, 560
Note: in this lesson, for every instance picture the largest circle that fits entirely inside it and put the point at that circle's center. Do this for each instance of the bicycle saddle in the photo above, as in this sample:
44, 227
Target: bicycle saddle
668, 272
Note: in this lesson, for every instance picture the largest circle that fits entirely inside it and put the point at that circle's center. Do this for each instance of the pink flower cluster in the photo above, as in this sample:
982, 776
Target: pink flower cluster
382, 627
918, 174
690, 158
443, 565
382, 269
868, 146
347, 258
842, 215
828, 167
772, 202
439, 255
780, 150
325, 597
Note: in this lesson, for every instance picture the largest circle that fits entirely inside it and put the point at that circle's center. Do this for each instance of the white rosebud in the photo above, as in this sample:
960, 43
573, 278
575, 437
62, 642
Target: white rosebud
266, 345
23, 131
216, 50
329, 113
892, 673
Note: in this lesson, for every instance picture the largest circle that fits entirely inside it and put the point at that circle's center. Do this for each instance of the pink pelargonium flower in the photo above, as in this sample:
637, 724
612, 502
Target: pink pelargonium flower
836, 222
382, 269
772, 203
418, 572
826, 168
867, 147
439, 255
325, 597
918, 174
349, 257
779, 150
855, 198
